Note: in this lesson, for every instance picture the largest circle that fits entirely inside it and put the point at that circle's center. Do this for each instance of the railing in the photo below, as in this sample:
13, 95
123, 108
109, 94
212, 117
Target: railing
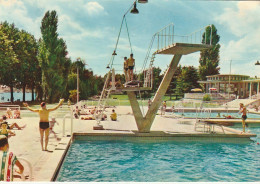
166, 37
12, 107
69, 115
30, 169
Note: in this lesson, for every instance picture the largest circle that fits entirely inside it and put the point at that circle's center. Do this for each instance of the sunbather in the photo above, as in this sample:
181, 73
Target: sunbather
12, 126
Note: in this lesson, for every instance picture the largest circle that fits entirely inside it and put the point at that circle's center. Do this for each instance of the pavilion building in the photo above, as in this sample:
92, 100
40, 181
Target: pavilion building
242, 86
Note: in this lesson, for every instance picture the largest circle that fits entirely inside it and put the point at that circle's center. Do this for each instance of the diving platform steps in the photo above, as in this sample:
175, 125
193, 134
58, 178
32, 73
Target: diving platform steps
183, 48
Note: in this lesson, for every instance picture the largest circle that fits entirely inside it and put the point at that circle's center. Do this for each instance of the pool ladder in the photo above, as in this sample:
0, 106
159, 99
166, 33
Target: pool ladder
200, 122
30, 169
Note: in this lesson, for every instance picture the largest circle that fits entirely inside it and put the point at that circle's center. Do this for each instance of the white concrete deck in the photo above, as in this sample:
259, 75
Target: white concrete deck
26, 143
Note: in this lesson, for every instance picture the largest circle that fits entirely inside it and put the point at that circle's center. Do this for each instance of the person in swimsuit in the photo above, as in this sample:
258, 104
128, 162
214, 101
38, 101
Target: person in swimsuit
131, 64
44, 120
12, 126
125, 69
113, 116
5, 131
243, 111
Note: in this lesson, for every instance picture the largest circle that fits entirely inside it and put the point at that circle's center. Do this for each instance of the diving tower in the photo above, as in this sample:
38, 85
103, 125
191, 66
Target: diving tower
144, 122
167, 43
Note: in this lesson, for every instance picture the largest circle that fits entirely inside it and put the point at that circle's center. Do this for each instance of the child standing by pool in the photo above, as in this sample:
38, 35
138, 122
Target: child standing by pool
52, 124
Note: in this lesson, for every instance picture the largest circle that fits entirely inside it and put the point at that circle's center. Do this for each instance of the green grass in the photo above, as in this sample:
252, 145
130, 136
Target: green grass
119, 97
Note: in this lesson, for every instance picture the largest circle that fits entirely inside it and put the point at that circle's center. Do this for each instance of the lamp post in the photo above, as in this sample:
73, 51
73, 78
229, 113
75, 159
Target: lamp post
77, 84
229, 89
78, 80
132, 10
257, 63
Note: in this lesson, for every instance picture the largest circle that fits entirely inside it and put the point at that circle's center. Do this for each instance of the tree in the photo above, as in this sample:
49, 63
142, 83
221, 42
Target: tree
52, 57
209, 59
172, 87
10, 50
187, 80
28, 64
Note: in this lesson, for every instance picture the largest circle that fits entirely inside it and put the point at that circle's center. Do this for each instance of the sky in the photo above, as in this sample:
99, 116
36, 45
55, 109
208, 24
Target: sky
91, 27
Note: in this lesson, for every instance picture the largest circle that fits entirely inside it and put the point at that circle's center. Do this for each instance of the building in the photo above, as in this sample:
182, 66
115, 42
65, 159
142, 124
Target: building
241, 86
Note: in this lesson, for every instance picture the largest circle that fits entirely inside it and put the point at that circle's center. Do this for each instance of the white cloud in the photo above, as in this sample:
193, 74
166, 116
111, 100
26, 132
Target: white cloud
243, 23
242, 20
94, 8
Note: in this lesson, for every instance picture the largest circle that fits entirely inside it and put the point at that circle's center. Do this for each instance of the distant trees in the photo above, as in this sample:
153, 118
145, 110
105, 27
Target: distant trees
209, 59
42, 65
18, 57
187, 80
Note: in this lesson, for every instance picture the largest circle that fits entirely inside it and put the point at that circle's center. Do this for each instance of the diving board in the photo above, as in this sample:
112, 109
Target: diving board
183, 48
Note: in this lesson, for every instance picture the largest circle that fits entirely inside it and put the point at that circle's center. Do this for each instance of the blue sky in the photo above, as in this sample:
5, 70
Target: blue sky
90, 28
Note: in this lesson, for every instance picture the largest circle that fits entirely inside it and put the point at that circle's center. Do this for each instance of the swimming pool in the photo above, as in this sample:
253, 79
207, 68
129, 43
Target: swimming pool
125, 161
215, 115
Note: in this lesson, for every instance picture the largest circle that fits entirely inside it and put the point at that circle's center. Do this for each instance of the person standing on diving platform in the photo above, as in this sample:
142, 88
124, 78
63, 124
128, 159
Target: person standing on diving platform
131, 64
125, 69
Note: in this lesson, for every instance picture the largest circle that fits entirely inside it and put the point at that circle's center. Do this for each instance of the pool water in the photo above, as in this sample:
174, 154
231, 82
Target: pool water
215, 115
124, 161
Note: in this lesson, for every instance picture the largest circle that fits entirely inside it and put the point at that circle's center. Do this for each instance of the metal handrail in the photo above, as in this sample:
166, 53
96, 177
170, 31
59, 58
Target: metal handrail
30, 169
69, 115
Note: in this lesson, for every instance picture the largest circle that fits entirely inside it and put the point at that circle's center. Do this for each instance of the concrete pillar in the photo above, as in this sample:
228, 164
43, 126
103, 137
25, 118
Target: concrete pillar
144, 123
257, 89
113, 87
239, 90
136, 109
250, 90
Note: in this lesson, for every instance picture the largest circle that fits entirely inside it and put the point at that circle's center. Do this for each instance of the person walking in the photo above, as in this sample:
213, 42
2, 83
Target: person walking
44, 121
243, 111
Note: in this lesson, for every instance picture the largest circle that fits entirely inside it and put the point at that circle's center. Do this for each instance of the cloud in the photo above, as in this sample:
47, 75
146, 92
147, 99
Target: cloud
7, 2
243, 47
242, 20
93, 8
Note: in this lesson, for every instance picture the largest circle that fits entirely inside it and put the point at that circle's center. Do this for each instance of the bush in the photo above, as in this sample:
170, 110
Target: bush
206, 97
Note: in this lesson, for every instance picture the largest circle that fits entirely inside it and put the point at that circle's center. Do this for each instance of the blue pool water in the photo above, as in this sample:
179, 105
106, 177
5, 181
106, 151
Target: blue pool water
215, 115
123, 161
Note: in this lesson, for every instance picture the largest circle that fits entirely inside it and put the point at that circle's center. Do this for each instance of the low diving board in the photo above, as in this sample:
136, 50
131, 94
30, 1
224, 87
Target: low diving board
133, 88
183, 48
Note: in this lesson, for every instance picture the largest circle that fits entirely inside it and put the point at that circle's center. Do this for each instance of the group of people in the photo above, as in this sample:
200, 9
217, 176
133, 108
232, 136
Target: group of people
129, 67
16, 114
8, 158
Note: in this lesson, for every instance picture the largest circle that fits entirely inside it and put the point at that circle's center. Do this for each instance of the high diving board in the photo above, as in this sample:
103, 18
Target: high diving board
182, 48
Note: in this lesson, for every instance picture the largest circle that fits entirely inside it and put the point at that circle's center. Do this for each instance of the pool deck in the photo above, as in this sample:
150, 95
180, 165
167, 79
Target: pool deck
26, 143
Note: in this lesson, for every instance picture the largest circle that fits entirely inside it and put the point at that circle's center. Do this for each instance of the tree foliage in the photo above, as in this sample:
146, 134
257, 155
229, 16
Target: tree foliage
187, 80
52, 57
209, 59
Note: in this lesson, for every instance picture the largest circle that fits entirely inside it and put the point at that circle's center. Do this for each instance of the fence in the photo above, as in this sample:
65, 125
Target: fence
166, 36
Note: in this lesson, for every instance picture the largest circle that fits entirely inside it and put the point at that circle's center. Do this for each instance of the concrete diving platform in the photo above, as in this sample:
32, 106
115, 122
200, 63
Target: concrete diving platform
157, 136
182, 48
234, 122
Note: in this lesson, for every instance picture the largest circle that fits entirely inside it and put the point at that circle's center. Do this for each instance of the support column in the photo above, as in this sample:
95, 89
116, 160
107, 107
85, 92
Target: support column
136, 109
250, 90
144, 123
257, 90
